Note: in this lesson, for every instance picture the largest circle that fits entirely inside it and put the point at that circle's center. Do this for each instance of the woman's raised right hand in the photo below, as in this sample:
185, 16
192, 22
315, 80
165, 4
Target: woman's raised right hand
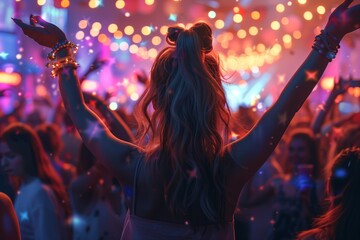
343, 20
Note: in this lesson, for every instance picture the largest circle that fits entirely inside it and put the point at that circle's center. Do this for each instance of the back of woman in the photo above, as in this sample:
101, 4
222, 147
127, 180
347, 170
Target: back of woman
184, 143
152, 218
188, 144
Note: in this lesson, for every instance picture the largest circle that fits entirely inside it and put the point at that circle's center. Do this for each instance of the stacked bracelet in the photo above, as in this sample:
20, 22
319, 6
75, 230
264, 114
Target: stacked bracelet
326, 45
61, 63
68, 61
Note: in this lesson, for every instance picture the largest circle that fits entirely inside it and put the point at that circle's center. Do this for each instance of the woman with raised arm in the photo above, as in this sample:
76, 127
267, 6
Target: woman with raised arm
188, 177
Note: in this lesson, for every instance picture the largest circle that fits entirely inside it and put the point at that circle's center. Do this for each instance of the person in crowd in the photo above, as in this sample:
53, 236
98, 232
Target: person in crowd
42, 204
71, 139
50, 137
188, 176
95, 201
9, 225
329, 126
342, 137
340, 221
300, 190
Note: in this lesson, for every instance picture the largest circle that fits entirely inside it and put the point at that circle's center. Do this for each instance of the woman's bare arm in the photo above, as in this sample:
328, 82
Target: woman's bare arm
252, 150
108, 149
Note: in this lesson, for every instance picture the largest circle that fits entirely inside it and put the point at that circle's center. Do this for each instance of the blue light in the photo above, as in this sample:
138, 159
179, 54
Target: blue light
340, 173
245, 3
57, 16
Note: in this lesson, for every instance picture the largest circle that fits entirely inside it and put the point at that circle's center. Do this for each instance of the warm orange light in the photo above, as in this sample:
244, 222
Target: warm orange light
10, 78
89, 85
65, 3
327, 83
354, 92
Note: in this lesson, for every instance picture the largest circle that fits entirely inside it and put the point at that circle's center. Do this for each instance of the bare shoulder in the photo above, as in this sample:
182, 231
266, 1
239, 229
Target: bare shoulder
5, 201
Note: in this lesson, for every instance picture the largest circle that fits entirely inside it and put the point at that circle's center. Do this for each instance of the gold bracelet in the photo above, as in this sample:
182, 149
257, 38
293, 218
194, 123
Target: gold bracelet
61, 63
64, 44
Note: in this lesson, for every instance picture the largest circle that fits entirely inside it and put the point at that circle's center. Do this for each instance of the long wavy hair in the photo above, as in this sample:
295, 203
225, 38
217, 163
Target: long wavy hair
22, 139
341, 220
189, 122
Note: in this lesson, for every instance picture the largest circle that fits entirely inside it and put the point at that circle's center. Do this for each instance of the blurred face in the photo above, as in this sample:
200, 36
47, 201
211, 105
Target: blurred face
299, 153
11, 162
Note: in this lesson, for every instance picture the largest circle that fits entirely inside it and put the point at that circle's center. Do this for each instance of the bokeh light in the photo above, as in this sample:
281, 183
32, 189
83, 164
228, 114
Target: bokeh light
275, 25
80, 35
114, 46
129, 30
112, 28
253, 30
96, 26
118, 34
255, 15
83, 24
120, 4
212, 14
280, 8
308, 15
297, 34
146, 30
136, 38
241, 33
65, 3
94, 32
133, 49
285, 21
238, 18
149, 2
163, 30
156, 40
321, 10
41, 2
219, 24
124, 46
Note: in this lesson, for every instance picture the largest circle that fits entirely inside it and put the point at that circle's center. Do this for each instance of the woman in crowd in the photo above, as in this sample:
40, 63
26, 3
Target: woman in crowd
188, 177
341, 221
42, 204
299, 192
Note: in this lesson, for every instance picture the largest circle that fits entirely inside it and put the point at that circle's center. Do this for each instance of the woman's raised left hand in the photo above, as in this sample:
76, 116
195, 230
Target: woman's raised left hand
44, 33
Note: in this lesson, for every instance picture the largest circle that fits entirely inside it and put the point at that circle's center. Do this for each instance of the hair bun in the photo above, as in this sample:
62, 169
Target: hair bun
205, 35
173, 34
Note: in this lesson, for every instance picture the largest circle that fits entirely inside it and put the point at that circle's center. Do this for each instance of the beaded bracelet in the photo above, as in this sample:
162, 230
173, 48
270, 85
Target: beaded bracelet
61, 63
60, 45
326, 45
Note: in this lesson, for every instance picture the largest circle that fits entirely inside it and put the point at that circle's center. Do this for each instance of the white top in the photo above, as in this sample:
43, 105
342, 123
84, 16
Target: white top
38, 214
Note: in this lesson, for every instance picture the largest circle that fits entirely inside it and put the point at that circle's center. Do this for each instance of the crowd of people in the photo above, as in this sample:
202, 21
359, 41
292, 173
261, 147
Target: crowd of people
178, 172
